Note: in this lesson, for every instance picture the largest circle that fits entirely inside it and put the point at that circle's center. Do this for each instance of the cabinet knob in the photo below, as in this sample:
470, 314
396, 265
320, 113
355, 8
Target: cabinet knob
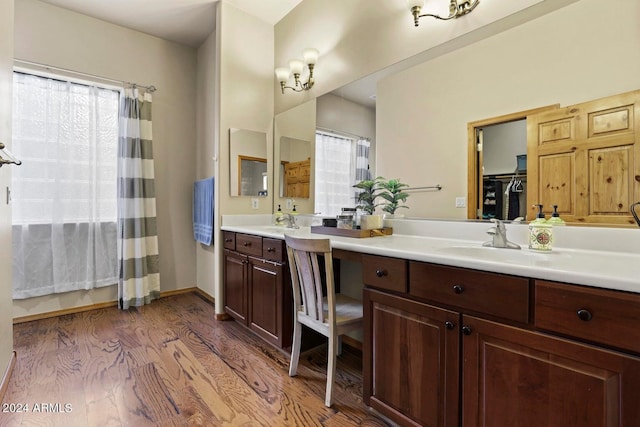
381, 273
228, 240
449, 325
458, 289
584, 314
271, 249
466, 330
247, 244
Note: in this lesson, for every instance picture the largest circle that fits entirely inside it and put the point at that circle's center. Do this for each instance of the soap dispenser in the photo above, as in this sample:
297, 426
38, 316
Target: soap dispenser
540, 233
555, 219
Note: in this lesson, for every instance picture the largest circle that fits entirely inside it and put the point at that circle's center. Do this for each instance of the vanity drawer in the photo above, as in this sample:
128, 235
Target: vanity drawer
248, 244
384, 272
273, 249
229, 238
599, 315
489, 293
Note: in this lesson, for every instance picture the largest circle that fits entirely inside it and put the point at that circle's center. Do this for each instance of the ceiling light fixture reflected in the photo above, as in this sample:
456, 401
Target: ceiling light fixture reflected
457, 8
296, 67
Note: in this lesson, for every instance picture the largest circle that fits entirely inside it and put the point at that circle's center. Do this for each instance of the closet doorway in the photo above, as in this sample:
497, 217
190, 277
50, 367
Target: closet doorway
497, 159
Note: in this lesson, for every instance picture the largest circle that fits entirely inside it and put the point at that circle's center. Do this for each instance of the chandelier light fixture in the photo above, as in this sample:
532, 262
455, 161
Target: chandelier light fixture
6, 158
296, 66
457, 8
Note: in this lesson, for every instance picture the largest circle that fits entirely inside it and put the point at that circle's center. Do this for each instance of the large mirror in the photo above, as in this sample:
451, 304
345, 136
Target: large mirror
248, 163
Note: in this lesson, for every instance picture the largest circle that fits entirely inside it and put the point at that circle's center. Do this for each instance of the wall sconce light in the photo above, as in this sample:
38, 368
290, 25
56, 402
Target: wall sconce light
457, 8
295, 68
6, 158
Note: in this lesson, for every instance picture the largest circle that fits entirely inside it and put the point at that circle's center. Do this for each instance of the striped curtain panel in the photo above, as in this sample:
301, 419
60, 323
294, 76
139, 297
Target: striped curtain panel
139, 277
362, 162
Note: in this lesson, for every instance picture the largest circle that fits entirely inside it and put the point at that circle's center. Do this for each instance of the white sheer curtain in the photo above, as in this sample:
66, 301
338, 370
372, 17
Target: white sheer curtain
64, 203
335, 174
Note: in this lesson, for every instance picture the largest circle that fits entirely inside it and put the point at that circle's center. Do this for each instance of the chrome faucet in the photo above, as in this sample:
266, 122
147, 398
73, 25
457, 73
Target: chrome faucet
498, 235
289, 219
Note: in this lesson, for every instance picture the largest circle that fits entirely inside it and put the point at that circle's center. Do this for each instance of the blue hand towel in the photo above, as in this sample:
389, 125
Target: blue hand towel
203, 211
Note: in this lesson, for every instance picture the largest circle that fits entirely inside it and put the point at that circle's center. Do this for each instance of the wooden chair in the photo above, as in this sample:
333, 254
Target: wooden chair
332, 316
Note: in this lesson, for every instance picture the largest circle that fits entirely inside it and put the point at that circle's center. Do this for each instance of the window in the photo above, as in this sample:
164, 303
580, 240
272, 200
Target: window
334, 173
64, 194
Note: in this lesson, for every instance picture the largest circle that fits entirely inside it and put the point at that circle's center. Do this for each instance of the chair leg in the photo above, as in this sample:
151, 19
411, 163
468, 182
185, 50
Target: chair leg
331, 370
295, 348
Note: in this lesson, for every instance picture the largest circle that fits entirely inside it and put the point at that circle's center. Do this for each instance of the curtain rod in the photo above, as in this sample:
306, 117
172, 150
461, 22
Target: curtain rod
150, 88
340, 133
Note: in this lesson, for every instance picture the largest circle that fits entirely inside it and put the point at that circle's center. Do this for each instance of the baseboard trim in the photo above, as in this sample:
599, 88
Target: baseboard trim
223, 316
106, 304
7, 375
205, 296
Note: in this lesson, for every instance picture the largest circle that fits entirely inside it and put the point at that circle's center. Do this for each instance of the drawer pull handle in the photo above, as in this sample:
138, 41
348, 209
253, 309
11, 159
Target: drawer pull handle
466, 330
449, 325
584, 315
458, 289
381, 273
271, 249
228, 240
246, 244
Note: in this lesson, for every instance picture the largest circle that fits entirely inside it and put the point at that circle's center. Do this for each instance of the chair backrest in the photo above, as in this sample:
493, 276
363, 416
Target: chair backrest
307, 277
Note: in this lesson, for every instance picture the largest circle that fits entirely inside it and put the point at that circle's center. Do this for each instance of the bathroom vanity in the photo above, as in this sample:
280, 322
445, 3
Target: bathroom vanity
459, 334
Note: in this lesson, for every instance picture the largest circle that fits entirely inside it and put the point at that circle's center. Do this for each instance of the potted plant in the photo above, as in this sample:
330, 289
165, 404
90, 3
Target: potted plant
394, 195
366, 200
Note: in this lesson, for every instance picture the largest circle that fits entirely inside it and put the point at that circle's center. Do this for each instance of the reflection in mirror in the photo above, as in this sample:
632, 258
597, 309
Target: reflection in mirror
295, 167
248, 163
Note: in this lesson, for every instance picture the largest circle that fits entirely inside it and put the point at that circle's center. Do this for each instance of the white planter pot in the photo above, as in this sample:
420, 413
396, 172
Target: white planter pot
371, 222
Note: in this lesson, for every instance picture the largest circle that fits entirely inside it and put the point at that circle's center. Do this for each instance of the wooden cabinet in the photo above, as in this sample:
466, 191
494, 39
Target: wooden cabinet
585, 158
257, 289
472, 348
297, 177
516, 377
410, 360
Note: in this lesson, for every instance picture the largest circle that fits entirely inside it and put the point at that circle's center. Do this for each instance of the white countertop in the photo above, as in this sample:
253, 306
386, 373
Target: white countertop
616, 267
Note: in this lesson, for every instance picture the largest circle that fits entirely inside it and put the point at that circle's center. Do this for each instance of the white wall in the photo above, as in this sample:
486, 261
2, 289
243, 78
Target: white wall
244, 86
584, 51
53, 36
6, 66
206, 115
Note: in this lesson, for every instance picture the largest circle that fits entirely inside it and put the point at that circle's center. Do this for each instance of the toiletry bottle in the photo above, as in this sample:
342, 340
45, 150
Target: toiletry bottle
555, 219
540, 233
277, 216
294, 211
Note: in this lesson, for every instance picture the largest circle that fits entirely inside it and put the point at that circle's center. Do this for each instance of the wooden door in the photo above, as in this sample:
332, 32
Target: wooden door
410, 360
235, 285
585, 158
514, 377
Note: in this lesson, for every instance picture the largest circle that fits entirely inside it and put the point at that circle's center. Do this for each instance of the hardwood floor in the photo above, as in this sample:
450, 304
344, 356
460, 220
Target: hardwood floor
170, 364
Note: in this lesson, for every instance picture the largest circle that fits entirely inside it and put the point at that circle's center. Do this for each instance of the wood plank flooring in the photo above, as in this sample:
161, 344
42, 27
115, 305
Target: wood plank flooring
170, 364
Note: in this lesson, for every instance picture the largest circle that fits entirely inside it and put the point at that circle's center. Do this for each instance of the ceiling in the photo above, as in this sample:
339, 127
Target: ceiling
187, 22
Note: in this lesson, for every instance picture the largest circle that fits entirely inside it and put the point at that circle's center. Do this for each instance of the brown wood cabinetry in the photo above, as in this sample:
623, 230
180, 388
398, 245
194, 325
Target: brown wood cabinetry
585, 158
410, 360
515, 377
470, 348
257, 290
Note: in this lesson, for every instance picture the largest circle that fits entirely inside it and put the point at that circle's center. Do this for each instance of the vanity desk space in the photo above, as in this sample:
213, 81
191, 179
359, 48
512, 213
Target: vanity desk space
458, 334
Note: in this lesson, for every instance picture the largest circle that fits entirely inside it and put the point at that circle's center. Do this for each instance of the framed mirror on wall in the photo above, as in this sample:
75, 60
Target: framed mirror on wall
248, 163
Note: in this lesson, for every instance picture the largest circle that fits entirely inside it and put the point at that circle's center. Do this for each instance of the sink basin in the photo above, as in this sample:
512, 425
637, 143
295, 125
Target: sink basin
498, 254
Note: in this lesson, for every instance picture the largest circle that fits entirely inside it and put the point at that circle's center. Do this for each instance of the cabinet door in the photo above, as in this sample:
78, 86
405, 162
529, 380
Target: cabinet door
514, 377
410, 360
267, 294
235, 285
